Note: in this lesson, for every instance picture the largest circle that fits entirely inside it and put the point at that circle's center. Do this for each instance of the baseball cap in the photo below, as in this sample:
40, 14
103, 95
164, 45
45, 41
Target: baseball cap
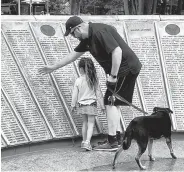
71, 23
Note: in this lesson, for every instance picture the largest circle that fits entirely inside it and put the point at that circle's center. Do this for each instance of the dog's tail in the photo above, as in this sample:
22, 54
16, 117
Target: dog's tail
127, 139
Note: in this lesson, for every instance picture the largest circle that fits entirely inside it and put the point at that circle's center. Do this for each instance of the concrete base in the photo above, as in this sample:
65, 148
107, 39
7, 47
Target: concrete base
63, 155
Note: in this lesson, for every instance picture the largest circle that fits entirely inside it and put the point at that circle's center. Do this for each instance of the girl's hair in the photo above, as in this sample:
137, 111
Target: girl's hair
90, 71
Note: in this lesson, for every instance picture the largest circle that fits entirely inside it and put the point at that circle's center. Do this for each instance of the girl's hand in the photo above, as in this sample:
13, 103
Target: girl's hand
46, 70
73, 109
103, 111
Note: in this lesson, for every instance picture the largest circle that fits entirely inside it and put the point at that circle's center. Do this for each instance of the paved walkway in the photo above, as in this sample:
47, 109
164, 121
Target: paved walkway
72, 158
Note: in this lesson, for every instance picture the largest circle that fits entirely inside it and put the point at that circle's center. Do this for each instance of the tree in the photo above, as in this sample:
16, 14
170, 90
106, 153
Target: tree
126, 7
179, 6
116, 7
75, 7
140, 7
59, 7
155, 6
102, 6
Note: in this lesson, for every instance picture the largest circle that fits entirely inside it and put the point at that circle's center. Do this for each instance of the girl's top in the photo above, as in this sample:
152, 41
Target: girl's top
82, 93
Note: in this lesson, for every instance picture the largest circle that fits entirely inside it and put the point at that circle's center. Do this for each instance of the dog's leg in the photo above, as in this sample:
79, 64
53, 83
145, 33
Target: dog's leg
142, 148
150, 145
116, 156
169, 144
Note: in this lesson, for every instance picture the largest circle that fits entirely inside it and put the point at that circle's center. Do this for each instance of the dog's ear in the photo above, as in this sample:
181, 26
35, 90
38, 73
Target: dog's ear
155, 109
169, 110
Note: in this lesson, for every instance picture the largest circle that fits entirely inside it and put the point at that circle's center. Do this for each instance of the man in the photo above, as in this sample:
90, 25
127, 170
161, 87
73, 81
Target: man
116, 58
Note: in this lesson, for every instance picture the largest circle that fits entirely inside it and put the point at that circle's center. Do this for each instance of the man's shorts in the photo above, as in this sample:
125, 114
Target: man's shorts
125, 88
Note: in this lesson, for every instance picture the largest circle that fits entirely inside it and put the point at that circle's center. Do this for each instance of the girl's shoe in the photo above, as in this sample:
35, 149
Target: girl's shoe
87, 146
82, 144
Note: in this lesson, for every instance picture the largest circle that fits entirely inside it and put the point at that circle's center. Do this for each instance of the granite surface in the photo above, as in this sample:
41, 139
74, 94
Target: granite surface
73, 158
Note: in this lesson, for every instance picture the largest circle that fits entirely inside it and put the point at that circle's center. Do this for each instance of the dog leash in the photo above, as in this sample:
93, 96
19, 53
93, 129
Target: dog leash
125, 101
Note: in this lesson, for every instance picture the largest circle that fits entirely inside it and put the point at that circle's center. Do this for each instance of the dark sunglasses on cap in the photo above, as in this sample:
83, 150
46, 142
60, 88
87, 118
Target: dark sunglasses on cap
72, 32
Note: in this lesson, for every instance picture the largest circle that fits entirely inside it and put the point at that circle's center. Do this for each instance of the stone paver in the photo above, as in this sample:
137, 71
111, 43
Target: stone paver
74, 159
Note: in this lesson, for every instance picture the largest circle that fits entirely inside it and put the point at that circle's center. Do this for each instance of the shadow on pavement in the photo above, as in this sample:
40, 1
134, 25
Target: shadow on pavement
163, 164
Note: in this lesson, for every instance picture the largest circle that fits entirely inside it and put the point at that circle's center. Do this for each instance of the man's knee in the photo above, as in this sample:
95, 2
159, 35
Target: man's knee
111, 110
113, 116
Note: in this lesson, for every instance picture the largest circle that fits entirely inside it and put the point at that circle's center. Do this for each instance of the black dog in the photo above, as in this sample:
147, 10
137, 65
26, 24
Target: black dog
147, 128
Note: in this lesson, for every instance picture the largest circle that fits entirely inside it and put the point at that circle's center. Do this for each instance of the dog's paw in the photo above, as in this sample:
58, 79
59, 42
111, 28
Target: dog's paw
143, 167
173, 156
151, 158
140, 164
113, 165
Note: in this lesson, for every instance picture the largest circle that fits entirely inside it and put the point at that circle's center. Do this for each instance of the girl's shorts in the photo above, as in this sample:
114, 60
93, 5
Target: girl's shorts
88, 109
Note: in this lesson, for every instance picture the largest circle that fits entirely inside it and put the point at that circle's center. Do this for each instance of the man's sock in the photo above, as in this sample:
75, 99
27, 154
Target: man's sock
118, 136
112, 140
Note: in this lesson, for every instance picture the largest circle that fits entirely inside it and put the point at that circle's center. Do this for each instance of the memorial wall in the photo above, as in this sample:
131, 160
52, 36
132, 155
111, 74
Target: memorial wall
36, 108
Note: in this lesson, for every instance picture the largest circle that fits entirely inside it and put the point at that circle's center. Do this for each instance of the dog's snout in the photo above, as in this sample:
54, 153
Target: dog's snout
125, 144
169, 110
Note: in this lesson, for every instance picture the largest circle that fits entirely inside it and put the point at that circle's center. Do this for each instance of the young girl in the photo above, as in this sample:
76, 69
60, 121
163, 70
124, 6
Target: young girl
85, 93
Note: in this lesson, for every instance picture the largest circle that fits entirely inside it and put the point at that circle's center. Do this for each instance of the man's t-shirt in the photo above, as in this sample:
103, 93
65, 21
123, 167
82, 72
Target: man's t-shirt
103, 39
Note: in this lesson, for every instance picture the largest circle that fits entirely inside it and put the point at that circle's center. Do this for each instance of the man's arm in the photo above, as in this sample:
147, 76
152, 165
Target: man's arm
110, 45
116, 60
66, 60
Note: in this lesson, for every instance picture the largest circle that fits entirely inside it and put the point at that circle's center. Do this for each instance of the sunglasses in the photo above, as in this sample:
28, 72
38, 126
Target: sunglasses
72, 32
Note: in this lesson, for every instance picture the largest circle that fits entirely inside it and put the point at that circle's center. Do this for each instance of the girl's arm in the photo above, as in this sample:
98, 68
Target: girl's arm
74, 95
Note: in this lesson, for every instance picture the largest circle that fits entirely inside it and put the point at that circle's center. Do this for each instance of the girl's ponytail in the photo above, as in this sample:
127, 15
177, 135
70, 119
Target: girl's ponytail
90, 71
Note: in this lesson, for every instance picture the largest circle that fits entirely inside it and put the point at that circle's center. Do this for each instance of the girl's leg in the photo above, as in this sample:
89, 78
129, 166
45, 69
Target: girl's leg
91, 122
84, 127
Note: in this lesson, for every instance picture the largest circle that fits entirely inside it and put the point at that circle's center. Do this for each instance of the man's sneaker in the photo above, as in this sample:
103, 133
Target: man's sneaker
119, 143
102, 142
119, 137
87, 146
82, 144
107, 147
105, 141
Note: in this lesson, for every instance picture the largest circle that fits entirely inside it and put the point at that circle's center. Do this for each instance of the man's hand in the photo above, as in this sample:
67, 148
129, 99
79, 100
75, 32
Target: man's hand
111, 83
46, 70
111, 79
